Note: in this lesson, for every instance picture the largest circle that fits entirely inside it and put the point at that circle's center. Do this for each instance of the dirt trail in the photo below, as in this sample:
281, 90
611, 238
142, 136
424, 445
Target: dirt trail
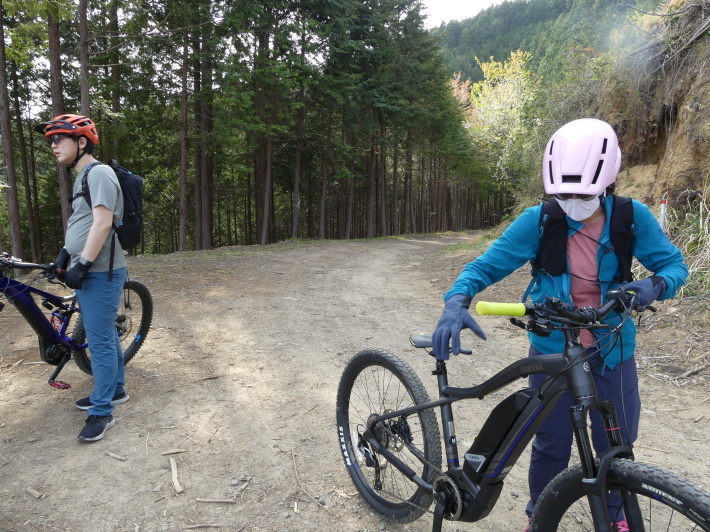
240, 372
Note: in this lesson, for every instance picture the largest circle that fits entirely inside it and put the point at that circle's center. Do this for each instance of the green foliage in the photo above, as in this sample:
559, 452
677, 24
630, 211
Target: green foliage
331, 78
578, 67
501, 125
495, 32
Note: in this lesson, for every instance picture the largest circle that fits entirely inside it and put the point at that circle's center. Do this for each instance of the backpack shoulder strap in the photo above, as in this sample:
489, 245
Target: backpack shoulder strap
552, 250
85, 187
622, 234
551, 257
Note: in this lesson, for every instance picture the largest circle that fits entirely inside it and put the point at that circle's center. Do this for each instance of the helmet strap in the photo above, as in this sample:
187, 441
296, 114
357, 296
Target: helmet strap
79, 154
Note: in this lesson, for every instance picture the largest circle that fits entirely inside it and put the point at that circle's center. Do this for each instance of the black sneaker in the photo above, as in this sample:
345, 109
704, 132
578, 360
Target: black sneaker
119, 398
96, 427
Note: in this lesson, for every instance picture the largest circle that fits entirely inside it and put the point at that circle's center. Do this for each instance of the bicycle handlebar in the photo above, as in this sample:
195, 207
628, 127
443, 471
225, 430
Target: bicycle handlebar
487, 308
14, 262
554, 310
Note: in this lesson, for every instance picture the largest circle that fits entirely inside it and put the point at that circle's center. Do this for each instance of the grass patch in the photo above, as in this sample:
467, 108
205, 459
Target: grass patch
689, 229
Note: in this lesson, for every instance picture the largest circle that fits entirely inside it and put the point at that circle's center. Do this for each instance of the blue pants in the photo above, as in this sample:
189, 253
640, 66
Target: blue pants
552, 445
99, 300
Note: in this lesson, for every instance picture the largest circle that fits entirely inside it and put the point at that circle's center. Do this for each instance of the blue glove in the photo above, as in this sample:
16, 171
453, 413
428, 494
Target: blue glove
453, 320
647, 290
75, 276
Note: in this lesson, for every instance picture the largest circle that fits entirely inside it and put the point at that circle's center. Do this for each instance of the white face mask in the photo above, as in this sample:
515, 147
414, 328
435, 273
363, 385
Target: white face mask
578, 209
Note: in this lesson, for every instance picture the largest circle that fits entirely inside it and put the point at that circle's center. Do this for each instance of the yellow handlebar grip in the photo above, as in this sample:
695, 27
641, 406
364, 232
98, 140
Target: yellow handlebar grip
486, 308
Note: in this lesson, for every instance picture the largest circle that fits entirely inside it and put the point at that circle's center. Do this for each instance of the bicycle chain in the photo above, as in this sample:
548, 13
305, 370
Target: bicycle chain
439, 475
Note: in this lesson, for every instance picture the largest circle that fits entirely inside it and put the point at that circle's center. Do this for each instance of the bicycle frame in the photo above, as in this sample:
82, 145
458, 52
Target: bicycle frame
54, 342
510, 427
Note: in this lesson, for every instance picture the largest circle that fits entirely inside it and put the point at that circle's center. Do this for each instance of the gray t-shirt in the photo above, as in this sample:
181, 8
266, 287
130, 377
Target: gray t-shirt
104, 190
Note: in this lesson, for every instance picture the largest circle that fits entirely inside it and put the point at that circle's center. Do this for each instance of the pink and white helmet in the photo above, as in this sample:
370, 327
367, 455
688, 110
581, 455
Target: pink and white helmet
582, 157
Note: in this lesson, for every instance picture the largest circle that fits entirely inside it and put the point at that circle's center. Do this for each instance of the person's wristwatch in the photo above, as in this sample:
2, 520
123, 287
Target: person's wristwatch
85, 262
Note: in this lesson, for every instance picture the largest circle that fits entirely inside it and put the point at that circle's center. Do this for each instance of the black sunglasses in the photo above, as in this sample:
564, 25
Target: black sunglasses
583, 197
56, 139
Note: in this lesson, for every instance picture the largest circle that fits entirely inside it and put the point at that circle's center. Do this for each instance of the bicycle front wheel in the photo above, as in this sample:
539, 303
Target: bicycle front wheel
376, 382
653, 500
135, 314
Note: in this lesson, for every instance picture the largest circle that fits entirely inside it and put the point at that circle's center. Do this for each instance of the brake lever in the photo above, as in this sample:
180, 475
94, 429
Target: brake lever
639, 308
629, 300
54, 275
633, 303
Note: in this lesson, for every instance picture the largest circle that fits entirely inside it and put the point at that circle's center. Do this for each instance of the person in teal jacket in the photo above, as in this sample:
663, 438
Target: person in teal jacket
580, 166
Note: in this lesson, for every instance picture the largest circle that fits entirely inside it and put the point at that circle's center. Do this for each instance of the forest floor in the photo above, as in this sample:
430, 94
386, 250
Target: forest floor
239, 373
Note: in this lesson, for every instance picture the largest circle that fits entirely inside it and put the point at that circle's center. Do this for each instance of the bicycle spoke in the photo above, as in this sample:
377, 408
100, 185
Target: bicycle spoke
375, 389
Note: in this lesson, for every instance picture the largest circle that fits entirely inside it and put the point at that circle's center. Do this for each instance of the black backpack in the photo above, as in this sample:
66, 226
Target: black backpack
552, 250
130, 228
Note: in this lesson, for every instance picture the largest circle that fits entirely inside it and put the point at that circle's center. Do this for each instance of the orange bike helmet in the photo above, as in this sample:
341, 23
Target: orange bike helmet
74, 125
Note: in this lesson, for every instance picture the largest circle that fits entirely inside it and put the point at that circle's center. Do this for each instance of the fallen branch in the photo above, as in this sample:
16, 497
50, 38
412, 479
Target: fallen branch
218, 501
173, 451
193, 441
651, 448
116, 456
193, 527
687, 407
36, 494
154, 411
173, 470
693, 371
318, 503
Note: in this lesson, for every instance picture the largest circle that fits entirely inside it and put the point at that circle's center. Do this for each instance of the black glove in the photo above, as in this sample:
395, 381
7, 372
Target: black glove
75, 275
62, 260
453, 320
647, 290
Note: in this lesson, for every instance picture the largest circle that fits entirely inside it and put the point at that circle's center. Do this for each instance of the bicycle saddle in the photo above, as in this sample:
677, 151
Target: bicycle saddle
425, 341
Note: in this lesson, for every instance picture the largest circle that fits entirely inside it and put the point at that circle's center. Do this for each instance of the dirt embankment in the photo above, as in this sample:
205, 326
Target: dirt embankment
670, 137
238, 378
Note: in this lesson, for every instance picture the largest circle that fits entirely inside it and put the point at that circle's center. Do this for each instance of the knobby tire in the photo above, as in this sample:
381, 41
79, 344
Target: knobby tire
374, 382
135, 314
653, 499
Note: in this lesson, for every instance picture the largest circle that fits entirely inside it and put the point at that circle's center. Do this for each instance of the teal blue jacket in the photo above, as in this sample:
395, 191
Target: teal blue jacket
519, 244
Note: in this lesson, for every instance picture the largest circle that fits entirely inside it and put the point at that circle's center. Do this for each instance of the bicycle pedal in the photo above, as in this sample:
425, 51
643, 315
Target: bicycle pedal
59, 385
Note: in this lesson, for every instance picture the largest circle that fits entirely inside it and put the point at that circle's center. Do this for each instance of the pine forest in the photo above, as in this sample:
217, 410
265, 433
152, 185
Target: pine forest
257, 122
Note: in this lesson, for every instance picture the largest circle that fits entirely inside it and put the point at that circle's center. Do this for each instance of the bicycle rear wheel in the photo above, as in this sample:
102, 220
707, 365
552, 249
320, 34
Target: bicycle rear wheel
376, 382
654, 500
135, 314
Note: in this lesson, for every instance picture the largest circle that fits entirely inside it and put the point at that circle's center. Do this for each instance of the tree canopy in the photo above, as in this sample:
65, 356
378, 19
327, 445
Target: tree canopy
250, 122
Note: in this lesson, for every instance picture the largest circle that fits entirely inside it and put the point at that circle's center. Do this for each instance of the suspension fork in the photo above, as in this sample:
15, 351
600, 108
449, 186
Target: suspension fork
583, 389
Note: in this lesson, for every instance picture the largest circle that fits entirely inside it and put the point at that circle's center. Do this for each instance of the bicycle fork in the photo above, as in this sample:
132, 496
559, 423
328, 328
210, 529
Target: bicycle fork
584, 393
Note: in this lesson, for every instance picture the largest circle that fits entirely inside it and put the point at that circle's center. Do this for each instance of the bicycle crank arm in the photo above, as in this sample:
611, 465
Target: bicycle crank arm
396, 462
61, 385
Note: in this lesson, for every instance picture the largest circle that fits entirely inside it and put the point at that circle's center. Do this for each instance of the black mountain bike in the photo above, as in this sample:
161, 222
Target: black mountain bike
60, 337
391, 444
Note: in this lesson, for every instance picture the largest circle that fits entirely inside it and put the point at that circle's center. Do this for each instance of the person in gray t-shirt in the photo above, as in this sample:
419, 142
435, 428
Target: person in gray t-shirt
97, 277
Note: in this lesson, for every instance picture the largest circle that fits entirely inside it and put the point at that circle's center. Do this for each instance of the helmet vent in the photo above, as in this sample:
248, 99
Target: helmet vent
571, 178
552, 179
604, 146
599, 170
551, 145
